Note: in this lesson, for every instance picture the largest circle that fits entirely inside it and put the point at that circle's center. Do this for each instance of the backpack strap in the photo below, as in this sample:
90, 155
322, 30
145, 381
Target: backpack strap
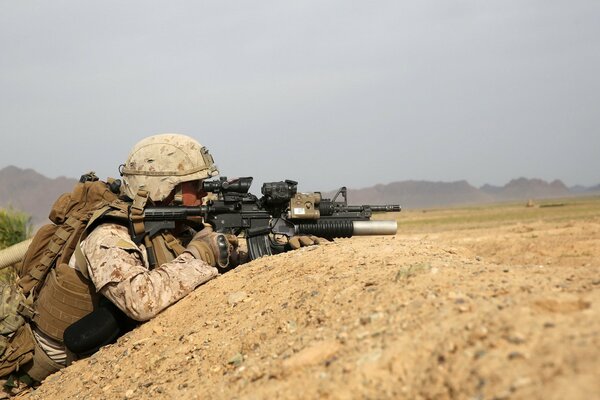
25, 307
136, 221
62, 234
136, 212
173, 243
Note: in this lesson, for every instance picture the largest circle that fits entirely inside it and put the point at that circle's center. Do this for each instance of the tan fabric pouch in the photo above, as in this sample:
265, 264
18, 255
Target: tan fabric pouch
41, 365
19, 350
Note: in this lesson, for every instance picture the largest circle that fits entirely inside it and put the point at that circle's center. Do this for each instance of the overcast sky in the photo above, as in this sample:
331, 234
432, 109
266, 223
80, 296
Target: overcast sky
328, 93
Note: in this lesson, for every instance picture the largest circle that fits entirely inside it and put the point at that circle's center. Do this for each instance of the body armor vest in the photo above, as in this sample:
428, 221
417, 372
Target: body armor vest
68, 295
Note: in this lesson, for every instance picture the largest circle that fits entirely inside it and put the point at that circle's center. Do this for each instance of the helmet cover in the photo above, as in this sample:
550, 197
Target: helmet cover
159, 163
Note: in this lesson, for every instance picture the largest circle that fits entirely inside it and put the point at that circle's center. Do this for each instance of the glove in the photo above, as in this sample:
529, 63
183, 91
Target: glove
213, 248
296, 242
234, 253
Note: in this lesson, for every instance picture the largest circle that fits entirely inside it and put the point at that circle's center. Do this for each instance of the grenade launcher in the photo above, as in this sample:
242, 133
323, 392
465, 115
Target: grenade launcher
280, 211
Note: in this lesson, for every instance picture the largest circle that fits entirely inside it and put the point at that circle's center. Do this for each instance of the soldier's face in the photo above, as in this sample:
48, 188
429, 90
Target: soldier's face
192, 193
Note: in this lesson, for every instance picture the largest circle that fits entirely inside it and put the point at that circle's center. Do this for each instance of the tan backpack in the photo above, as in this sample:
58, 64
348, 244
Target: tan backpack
52, 246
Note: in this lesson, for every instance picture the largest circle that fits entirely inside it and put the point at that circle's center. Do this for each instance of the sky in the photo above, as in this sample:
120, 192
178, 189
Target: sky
327, 93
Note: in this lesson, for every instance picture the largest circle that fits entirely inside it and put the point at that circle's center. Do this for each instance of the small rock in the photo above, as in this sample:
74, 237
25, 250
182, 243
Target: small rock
236, 297
513, 355
129, 393
342, 337
479, 353
371, 357
479, 333
236, 360
464, 308
292, 326
363, 335
516, 338
451, 347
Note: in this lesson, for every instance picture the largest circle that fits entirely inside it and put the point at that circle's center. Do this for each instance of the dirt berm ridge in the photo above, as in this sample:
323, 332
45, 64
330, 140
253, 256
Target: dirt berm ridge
411, 316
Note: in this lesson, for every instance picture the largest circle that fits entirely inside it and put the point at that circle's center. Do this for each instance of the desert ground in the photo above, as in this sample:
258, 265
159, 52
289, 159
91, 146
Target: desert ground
486, 302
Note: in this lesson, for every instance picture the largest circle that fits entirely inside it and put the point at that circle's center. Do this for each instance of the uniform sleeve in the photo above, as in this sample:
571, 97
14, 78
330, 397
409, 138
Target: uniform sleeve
119, 272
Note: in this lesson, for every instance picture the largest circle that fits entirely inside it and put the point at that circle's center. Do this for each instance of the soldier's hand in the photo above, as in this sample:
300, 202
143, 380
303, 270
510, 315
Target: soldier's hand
234, 253
297, 242
213, 248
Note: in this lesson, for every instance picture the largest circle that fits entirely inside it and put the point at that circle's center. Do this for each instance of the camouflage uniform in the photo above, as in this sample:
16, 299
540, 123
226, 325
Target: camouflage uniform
119, 271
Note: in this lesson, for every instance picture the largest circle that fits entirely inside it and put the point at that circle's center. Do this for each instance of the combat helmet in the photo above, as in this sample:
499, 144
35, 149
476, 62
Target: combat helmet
159, 163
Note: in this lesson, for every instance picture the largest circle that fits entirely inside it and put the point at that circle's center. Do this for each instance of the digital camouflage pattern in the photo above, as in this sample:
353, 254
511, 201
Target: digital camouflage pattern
10, 299
161, 162
10, 319
119, 271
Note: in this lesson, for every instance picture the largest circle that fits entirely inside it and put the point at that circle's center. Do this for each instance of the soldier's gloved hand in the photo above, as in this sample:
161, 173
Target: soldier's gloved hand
234, 254
213, 248
296, 242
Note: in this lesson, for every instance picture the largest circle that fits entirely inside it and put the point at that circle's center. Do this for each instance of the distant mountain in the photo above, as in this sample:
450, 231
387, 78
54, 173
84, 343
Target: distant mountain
423, 194
578, 189
522, 188
584, 189
31, 192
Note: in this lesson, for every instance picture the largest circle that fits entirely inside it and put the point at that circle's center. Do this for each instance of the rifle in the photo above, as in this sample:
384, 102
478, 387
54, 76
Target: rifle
280, 211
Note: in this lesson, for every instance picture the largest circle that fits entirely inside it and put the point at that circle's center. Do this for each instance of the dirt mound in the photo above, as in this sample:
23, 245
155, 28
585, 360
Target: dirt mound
393, 317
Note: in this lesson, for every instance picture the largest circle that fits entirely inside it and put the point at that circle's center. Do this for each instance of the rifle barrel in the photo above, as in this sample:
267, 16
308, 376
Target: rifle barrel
382, 208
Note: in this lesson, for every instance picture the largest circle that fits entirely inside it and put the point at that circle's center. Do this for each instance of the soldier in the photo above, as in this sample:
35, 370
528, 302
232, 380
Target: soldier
163, 169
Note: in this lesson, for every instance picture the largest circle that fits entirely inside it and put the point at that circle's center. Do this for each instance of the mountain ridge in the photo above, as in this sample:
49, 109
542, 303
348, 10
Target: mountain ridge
33, 193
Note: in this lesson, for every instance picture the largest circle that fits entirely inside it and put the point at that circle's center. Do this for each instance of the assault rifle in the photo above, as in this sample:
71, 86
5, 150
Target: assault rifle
280, 211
